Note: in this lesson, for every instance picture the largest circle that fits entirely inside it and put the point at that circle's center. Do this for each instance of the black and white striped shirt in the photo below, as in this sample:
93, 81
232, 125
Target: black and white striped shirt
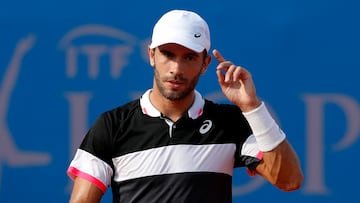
145, 157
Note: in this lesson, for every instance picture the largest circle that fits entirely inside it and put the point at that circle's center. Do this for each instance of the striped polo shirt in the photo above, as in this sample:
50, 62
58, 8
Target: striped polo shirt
145, 157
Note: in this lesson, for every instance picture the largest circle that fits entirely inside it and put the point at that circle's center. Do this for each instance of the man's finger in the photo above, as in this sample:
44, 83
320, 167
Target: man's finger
218, 56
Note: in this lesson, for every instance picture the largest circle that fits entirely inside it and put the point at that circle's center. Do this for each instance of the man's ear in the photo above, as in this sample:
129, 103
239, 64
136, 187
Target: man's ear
206, 64
151, 53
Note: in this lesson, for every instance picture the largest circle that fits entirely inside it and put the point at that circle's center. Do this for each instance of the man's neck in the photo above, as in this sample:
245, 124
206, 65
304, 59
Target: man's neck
173, 109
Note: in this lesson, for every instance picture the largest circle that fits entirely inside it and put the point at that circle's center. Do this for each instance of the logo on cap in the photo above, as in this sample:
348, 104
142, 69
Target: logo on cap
197, 35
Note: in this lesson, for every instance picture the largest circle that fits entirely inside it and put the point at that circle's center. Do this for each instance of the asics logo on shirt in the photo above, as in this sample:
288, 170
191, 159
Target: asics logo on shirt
206, 126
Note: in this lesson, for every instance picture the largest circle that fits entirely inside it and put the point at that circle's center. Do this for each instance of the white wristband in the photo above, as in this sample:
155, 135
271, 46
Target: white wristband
267, 133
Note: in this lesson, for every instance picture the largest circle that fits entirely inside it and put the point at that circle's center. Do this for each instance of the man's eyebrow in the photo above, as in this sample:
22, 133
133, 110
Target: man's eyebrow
164, 50
193, 53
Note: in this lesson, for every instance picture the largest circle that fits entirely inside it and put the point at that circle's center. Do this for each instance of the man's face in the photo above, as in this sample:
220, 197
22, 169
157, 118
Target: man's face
177, 69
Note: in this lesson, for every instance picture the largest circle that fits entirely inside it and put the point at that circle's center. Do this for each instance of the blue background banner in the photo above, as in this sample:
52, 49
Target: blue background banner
62, 63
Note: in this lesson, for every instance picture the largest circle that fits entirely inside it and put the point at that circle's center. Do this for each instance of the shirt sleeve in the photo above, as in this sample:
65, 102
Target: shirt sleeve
251, 154
92, 160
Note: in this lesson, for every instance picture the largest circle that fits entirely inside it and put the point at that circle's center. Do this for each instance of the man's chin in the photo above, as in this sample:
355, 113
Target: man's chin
174, 95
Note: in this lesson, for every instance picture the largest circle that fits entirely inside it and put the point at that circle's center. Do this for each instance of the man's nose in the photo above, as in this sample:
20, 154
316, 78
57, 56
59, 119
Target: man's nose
177, 67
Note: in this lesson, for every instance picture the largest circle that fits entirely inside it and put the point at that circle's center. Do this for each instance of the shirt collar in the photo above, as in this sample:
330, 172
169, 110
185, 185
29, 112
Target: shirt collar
194, 112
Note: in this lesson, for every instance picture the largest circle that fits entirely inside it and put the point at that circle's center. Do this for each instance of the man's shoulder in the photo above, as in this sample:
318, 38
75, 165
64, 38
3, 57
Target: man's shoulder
123, 111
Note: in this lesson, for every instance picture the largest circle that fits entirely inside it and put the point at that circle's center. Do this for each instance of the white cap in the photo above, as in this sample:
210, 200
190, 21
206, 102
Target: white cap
182, 27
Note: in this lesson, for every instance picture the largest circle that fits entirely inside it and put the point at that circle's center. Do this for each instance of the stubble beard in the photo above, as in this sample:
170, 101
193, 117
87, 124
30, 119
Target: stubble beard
174, 94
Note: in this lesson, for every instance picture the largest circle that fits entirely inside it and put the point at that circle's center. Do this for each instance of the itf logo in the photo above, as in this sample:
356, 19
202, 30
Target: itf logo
9, 153
106, 43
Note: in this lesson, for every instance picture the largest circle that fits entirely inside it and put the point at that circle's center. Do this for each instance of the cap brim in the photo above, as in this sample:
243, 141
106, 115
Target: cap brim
158, 41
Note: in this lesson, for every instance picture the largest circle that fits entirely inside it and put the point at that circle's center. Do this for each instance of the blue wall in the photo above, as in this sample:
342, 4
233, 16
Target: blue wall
62, 63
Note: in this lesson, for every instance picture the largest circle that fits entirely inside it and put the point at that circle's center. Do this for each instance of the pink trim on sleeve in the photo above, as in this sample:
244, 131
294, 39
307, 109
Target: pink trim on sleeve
74, 172
253, 173
259, 155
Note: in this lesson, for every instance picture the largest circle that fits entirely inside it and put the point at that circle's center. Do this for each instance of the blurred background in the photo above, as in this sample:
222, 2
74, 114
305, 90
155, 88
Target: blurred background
62, 63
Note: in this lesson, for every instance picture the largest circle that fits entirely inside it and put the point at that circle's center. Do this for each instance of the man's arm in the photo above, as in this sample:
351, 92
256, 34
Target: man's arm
85, 192
280, 164
281, 167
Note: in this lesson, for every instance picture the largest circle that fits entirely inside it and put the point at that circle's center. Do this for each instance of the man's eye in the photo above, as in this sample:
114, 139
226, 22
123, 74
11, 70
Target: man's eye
190, 58
167, 54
